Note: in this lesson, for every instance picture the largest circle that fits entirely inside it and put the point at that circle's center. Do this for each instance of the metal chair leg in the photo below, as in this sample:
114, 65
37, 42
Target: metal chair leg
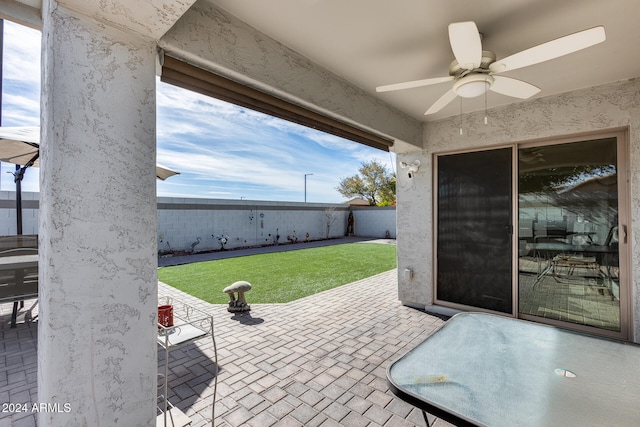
14, 314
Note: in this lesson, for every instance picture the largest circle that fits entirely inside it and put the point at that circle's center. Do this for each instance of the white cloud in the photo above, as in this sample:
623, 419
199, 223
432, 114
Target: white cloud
250, 153
22, 46
20, 110
21, 76
221, 150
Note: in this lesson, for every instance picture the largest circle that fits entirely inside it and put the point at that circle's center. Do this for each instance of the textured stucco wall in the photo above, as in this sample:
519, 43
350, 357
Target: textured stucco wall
414, 229
608, 106
149, 18
97, 243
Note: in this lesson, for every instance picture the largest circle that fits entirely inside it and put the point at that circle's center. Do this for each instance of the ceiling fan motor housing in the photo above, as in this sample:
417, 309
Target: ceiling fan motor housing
470, 83
458, 71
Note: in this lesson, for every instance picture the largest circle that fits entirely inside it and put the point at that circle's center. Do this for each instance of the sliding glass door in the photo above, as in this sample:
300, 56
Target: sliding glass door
569, 233
537, 231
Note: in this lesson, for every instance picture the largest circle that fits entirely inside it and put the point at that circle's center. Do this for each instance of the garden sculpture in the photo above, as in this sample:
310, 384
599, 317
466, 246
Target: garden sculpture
194, 244
238, 304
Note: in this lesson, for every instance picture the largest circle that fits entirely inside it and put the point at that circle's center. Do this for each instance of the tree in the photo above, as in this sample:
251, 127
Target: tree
330, 218
373, 183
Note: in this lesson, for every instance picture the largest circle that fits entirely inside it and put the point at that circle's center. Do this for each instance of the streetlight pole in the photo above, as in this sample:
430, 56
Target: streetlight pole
305, 186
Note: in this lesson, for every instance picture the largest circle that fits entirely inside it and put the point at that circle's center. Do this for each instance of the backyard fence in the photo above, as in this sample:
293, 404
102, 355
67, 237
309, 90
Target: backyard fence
191, 224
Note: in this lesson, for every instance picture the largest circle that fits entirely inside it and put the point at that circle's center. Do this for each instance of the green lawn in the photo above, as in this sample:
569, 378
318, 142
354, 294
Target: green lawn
284, 276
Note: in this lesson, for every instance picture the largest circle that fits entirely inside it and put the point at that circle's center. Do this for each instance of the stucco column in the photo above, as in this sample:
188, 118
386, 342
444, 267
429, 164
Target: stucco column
414, 229
98, 257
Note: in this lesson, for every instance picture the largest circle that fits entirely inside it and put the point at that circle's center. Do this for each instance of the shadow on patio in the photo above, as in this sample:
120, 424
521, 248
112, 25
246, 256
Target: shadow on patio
317, 361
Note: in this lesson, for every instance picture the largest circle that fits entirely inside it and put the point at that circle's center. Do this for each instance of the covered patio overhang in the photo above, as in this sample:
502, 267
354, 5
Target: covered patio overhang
98, 275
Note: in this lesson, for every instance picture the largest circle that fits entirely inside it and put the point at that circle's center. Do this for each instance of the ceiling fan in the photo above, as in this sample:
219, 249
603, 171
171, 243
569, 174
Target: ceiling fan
474, 71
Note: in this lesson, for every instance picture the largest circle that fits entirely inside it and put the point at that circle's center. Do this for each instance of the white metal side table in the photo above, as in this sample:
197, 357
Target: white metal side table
189, 325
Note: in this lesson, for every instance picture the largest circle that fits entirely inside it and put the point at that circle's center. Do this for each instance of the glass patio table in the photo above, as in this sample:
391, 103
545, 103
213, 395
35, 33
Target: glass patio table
483, 369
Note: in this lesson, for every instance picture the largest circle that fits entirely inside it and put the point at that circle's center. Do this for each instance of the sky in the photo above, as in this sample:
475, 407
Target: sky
222, 151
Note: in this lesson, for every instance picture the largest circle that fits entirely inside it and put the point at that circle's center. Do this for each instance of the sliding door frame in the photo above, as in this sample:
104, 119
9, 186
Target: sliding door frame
514, 267
624, 220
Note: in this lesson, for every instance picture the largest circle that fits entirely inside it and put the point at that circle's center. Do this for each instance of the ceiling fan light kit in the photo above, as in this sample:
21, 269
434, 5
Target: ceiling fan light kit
473, 71
472, 85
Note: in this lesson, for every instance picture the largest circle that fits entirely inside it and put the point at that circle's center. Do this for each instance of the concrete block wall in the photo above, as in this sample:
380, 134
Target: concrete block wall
246, 222
375, 221
8, 213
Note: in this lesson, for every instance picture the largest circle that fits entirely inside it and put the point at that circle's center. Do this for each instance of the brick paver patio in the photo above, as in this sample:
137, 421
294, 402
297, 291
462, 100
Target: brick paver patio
317, 361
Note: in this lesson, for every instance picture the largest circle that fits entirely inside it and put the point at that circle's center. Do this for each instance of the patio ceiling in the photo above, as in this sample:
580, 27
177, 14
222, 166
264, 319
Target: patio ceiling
377, 42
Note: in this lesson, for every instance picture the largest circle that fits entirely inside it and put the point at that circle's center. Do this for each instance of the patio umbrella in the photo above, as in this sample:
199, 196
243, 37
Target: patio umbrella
21, 146
163, 173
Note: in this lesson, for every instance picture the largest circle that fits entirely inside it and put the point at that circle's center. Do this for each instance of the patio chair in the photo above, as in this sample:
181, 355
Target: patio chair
18, 271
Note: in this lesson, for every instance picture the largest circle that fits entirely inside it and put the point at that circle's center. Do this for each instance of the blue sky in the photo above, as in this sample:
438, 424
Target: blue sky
221, 151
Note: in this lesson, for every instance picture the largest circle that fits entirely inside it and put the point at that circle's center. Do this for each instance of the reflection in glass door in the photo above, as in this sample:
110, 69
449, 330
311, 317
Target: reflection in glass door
568, 237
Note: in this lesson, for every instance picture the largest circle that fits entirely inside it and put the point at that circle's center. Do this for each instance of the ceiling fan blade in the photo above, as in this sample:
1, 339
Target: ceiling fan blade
414, 83
442, 102
550, 50
513, 87
466, 44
